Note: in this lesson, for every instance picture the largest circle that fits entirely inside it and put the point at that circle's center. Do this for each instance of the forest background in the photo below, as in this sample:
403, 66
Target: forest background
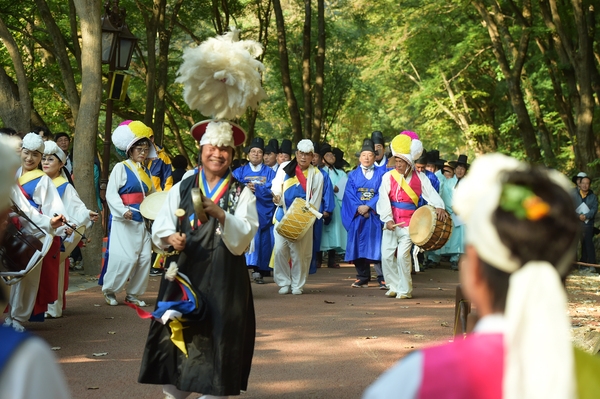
519, 77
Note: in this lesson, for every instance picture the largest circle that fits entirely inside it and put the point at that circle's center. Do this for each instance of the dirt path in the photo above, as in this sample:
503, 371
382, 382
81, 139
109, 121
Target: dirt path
330, 343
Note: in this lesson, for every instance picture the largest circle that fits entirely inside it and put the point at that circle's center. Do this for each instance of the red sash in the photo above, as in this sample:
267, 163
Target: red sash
300, 177
132, 198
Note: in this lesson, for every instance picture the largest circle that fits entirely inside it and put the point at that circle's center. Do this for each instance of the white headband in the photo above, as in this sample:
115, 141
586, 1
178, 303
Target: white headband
51, 148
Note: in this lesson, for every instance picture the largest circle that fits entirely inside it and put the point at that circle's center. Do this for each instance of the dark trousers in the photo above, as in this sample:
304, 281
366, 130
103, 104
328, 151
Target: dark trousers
363, 269
588, 252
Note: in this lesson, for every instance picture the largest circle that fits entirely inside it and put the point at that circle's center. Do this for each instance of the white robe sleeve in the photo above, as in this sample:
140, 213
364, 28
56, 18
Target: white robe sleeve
239, 229
429, 194
384, 207
47, 196
42, 221
166, 221
277, 184
76, 209
316, 188
117, 179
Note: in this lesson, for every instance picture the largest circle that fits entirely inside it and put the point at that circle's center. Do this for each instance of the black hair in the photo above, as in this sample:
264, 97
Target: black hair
179, 162
143, 141
550, 238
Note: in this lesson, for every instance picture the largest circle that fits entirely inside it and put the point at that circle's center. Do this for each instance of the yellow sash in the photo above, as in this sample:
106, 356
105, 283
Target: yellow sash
404, 185
29, 176
59, 181
144, 177
292, 181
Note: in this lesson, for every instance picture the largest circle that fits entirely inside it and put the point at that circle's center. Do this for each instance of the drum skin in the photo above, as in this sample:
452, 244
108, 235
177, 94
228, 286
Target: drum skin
149, 209
426, 231
296, 221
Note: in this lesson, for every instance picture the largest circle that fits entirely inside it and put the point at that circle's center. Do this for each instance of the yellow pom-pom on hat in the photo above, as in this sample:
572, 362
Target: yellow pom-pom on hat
130, 132
407, 146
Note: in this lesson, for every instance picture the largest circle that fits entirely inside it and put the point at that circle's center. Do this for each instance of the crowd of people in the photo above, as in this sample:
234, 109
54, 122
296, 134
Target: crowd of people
281, 212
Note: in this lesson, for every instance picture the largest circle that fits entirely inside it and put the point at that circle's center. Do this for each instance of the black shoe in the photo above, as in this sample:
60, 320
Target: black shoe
155, 272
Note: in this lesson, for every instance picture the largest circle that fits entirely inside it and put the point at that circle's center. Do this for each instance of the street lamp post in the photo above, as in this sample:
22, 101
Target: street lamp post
118, 44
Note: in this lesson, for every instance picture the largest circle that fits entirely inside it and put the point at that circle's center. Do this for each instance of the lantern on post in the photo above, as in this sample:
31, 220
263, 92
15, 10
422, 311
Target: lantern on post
118, 44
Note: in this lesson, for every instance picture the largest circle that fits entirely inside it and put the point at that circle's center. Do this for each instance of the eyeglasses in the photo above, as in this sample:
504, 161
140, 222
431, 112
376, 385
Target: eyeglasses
142, 150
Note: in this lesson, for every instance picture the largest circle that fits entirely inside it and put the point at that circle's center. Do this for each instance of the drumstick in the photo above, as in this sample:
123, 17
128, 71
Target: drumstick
180, 214
395, 225
71, 227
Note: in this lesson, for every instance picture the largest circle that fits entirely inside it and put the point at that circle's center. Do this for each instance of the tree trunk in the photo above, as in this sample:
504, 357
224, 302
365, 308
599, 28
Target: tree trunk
15, 102
576, 59
62, 58
151, 24
319, 74
306, 81
285, 74
87, 123
512, 74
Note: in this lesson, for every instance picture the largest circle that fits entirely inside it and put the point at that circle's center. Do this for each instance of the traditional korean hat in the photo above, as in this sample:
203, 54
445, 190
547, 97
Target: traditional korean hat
286, 147
221, 78
130, 132
51, 148
257, 142
273, 146
33, 142
407, 146
377, 138
461, 161
368, 145
325, 148
340, 162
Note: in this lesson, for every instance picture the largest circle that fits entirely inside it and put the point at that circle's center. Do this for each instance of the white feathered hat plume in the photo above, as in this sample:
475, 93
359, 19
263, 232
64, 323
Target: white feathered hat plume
221, 77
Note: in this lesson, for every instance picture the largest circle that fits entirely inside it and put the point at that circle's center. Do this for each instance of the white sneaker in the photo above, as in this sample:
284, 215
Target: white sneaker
14, 324
135, 301
404, 296
284, 290
391, 294
111, 299
297, 291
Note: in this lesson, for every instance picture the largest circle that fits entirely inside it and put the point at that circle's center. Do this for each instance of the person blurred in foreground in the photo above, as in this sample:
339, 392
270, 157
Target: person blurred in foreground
521, 233
28, 367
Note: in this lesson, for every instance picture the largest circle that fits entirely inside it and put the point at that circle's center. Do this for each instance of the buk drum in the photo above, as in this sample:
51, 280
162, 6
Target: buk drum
149, 208
426, 231
20, 253
71, 242
297, 220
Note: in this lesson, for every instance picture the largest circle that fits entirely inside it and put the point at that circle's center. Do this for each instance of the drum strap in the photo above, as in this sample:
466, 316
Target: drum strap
404, 184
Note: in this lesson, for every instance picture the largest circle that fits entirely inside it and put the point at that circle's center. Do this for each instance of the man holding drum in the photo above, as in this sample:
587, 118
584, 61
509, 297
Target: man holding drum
399, 195
295, 179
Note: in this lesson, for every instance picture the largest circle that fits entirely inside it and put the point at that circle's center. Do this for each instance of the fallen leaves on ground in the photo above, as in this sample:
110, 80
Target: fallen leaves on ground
583, 292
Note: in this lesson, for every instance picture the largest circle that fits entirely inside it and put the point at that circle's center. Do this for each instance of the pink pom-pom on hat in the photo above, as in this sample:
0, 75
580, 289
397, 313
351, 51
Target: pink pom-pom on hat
130, 132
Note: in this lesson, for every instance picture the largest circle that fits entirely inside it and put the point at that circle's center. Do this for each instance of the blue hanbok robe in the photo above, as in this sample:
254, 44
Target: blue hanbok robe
455, 244
334, 234
327, 205
364, 234
263, 240
434, 182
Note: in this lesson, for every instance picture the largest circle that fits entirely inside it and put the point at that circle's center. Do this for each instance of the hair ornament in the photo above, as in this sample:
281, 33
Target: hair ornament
523, 203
